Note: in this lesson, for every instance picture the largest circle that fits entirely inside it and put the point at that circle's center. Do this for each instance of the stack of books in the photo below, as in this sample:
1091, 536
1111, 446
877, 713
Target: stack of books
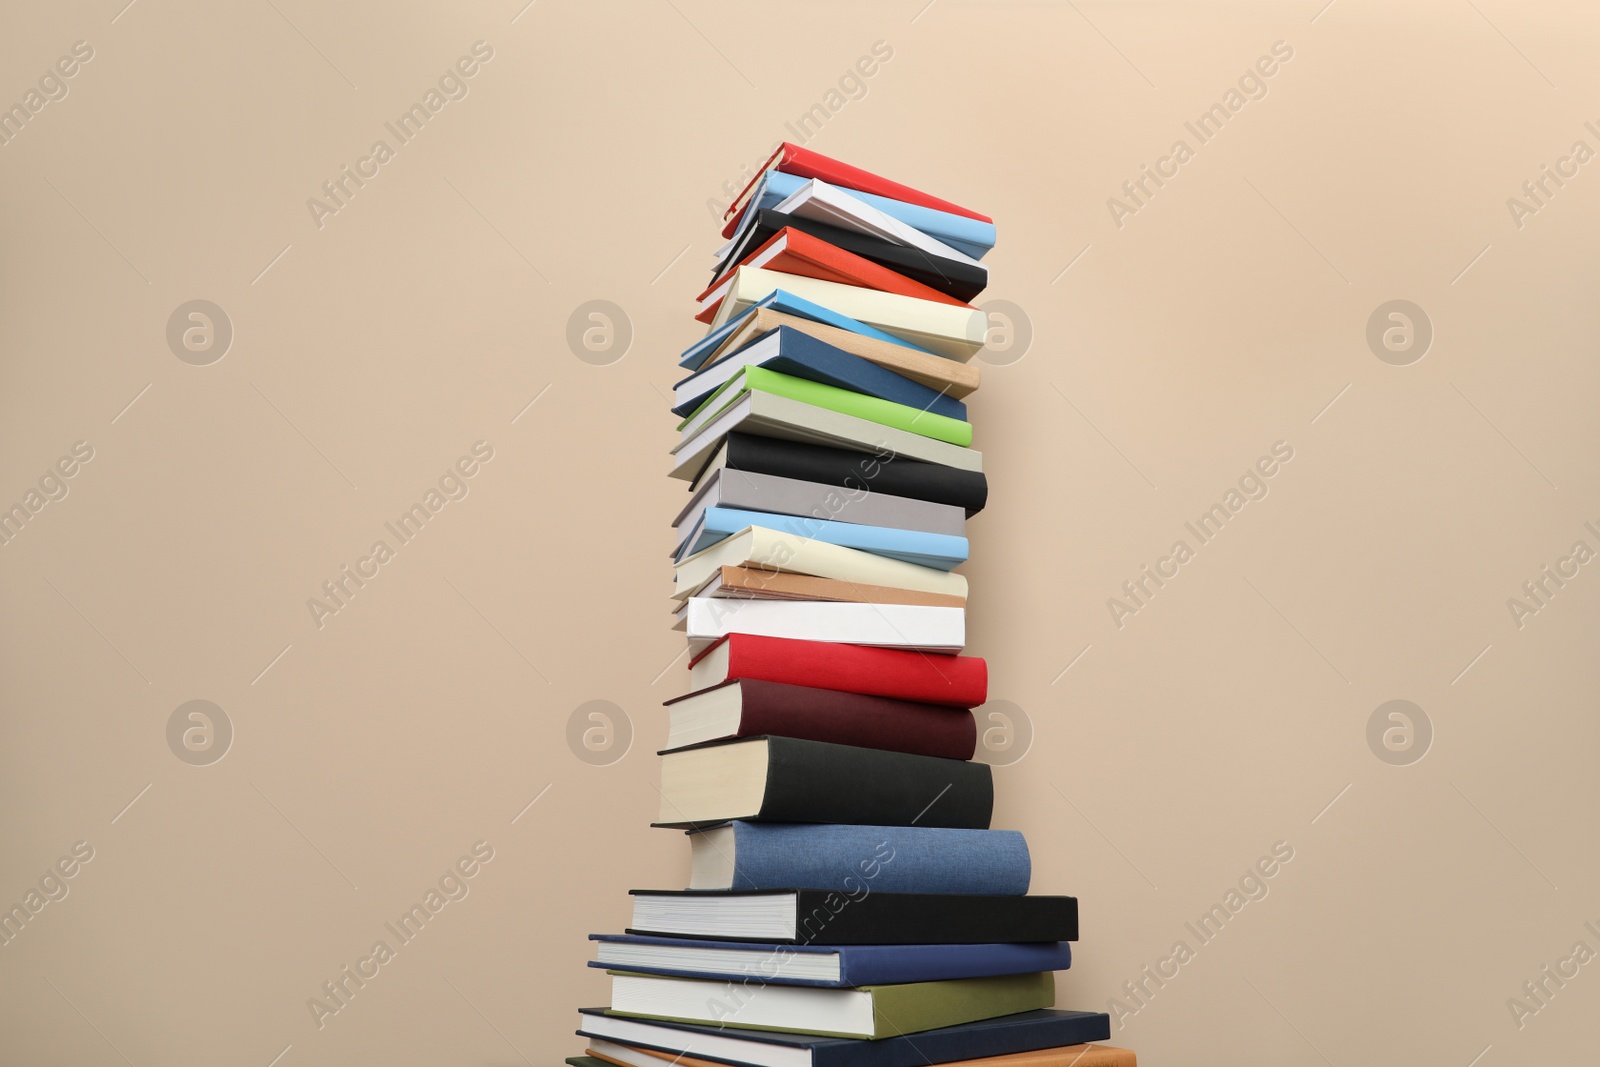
848, 904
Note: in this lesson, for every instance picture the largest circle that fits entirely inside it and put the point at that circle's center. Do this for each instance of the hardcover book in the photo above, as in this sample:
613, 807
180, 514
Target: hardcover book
794, 251
956, 681
792, 159
1023, 1032
750, 707
955, 277
869, 1012
942, 552
955, 332
825, 965
768, 414
968, 236
898, 859
751, 491
786, 779
880, 472
825, 917
756, 583
800, 355
707, 620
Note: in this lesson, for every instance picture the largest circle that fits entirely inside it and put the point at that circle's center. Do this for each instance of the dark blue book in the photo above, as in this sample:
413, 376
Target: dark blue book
799, 355
1024, 1032
890, 859
834, 967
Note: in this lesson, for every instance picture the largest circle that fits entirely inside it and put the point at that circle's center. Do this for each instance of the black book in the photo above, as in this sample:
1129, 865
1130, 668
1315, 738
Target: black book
859, 471
859, 917
960, 280
787, 779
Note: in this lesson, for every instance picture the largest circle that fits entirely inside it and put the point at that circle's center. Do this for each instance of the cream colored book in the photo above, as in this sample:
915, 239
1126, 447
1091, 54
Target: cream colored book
770, 415
936, 372
953, 332
759, 547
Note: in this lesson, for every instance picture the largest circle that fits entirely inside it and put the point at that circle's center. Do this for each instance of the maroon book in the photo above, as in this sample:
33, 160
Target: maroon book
750, 707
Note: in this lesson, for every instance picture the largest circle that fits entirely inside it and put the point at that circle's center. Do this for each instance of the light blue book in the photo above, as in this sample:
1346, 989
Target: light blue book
959, 232
778, 300
943, 552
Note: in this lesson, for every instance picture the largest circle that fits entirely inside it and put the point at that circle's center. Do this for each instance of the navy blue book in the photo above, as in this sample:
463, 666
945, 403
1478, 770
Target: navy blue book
833, 967
1025, 1032
799, 355
893, 859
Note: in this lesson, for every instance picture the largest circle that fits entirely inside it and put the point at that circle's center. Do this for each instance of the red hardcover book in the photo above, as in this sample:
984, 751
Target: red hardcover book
954, 681
792, 159
753, 707
793, 251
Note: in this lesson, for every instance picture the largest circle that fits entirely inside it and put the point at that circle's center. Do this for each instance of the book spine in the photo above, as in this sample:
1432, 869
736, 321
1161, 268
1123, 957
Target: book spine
890, 859
815, 782
854, 719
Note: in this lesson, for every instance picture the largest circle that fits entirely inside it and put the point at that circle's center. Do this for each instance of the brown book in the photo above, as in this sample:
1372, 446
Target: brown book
955, 379
758, 583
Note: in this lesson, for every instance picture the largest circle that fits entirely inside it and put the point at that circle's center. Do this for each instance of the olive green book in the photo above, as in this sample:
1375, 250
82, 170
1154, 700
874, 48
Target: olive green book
844, 401
870, 1012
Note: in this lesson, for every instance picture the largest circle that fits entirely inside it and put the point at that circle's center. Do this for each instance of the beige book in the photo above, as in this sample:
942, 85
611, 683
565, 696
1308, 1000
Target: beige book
757, 546
936, 372
947, 330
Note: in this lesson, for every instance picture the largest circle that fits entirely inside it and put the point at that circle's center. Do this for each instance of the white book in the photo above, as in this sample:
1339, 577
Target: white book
905, 626
770, 415
954, 332
829, 204
759, 547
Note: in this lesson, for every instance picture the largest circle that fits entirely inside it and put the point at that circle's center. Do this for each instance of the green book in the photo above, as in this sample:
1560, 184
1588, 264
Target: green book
845, 402
871, 1012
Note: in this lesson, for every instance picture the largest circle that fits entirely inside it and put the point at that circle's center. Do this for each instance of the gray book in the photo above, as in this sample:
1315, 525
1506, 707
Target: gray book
860, 506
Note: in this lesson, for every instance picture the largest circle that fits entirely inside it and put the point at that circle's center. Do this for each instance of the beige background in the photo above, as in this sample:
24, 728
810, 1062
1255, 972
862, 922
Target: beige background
1227, 314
